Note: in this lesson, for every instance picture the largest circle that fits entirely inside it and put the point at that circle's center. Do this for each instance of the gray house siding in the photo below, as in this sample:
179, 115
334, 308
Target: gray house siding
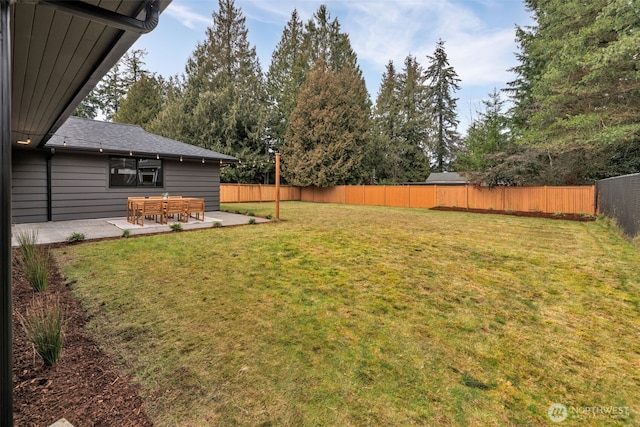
28, 187
80, 186
179, 180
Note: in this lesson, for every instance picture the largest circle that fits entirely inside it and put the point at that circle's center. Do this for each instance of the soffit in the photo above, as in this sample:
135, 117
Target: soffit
57, 58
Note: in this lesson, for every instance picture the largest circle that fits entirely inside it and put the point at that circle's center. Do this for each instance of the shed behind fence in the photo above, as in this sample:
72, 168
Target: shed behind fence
619, 198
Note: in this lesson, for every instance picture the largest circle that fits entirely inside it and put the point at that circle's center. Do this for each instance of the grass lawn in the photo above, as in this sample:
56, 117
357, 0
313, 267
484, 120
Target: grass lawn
352, 315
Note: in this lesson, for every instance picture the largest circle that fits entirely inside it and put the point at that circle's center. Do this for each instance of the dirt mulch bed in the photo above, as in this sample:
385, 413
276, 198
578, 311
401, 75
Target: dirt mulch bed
85, 387
569, 217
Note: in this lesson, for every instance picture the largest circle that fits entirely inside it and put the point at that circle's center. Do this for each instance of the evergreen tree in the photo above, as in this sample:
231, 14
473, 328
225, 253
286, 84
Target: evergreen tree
143, 102
328, 129
284, 78
110, 91
416, 122
133, 66
89, 107
442, 81
106, 97
487, 135
169, 121
222, 106
578, 88
324, 41
403, 122
319, 41
387, 121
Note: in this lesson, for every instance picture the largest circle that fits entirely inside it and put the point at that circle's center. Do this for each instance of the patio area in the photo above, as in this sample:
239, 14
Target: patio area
59, 231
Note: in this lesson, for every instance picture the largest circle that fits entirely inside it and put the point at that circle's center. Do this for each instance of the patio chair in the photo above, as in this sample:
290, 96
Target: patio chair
131, 206
176, 207
195, 209
149, 208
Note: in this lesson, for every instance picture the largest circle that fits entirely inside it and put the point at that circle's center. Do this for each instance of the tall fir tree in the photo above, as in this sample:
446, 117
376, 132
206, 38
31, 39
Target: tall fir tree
487, 135
402, 123
416, 122
105, 99
321, 41
169, 120
387, 121
144, 100
325, 41
223, 104
577, 89
443, 81
284, 78
328, 130
110, 91
89, 107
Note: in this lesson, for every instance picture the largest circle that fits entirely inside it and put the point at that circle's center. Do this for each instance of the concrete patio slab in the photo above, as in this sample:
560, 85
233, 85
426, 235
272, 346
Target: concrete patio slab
59, 231
61, 423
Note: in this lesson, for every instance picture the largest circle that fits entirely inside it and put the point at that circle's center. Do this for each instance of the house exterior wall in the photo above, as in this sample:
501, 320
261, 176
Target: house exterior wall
80, 186
28, 186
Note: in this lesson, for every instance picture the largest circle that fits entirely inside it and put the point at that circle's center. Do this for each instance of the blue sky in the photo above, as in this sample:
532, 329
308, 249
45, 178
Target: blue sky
479, 36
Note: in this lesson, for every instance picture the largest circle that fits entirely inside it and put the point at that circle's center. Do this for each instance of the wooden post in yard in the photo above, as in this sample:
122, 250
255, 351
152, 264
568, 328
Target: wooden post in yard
278, 186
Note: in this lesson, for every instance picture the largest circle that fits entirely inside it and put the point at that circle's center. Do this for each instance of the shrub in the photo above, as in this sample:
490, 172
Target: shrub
75, 237
252, 220
44, 324
126, 233
217, 224
176, 226
35, 260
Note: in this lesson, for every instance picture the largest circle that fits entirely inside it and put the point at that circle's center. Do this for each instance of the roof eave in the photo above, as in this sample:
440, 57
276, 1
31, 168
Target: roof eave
106, 151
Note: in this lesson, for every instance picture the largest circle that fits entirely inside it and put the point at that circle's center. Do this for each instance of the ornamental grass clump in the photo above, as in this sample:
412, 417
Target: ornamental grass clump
27, 241
43, 325
35, 260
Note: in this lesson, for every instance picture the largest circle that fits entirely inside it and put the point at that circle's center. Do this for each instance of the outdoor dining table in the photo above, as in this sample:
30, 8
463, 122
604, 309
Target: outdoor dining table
190, 207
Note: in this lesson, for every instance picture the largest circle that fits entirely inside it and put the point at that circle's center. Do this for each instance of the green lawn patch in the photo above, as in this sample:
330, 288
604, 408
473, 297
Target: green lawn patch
352, 315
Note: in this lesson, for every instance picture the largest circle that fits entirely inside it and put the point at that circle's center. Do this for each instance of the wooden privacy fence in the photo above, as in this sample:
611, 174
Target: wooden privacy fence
237, 193
575, 199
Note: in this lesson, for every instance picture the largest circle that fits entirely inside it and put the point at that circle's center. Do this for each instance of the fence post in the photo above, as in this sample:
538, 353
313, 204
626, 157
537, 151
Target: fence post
466, 188
435, 194
546, 200
277, 185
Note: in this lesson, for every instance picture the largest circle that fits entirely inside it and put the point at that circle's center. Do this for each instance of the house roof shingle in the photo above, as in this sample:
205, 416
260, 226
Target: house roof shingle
117, 138
450, 178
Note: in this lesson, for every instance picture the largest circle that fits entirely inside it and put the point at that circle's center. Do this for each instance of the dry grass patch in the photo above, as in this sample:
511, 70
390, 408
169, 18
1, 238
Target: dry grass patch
351, 315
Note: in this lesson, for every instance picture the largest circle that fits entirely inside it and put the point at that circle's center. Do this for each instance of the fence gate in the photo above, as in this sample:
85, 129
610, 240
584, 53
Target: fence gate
619, 198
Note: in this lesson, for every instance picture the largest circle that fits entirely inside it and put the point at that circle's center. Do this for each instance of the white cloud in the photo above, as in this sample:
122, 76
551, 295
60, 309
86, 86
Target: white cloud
186, 16
383, 30
483, 59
